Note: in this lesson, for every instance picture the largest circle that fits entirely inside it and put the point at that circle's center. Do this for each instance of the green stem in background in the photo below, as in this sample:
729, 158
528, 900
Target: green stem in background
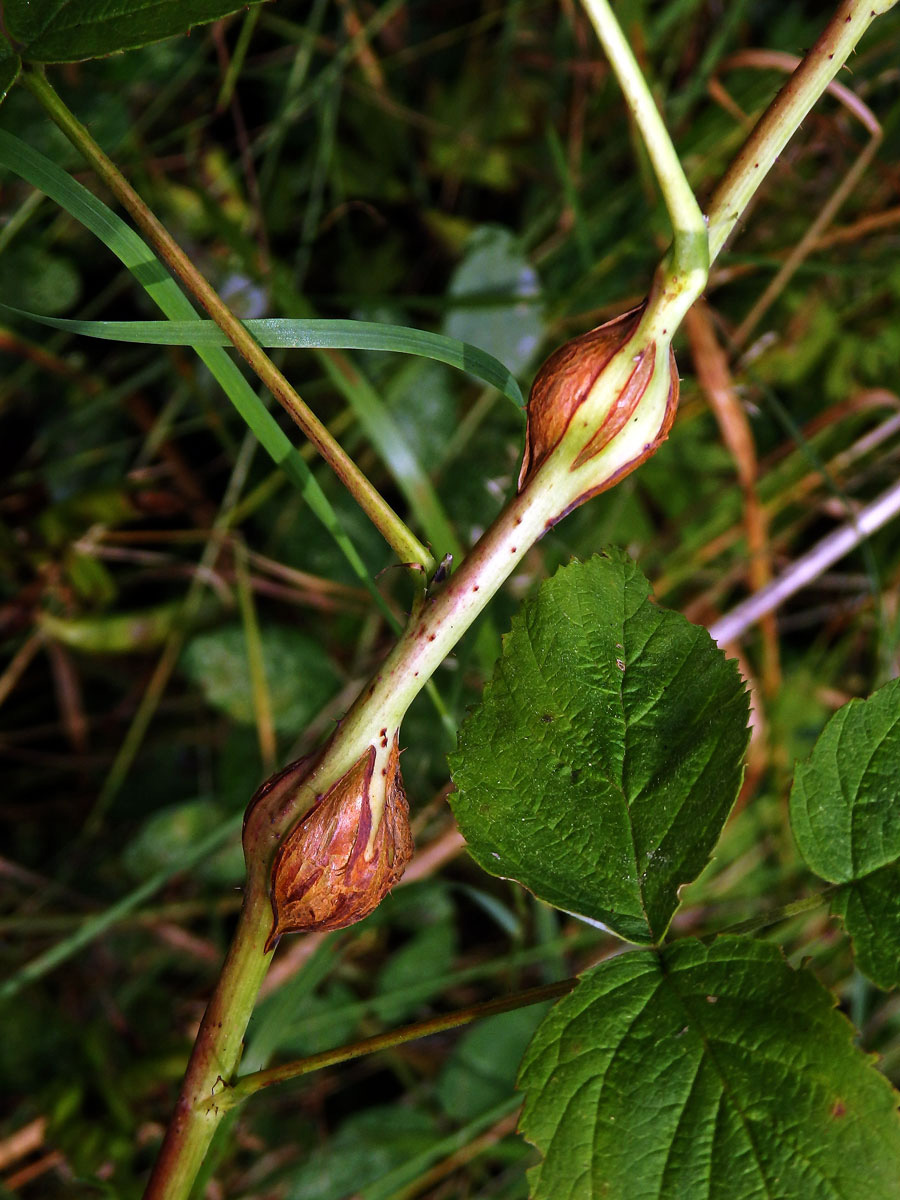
259, 686
684, 212
248, 1085
402, 540
776, 915
784, 115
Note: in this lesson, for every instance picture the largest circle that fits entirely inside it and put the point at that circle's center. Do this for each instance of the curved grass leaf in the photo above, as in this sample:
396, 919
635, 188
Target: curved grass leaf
606, 753
51, 31
299, 333
846, 820
706, 1071
313, 333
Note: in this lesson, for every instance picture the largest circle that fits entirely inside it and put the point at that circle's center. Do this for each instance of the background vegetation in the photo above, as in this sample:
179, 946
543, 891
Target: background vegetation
467, 168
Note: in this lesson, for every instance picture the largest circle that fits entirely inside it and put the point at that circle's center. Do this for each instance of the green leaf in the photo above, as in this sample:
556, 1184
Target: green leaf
37, 277
416, 971
846, 820
49, 31
502, 312
870, 911
844, 810
166, 836
299, 674
482, 1066
606, 753
367, 1145
706, 1071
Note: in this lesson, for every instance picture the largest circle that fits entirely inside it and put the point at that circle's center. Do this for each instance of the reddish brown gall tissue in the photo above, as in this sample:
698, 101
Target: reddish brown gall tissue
323, 877
566, 380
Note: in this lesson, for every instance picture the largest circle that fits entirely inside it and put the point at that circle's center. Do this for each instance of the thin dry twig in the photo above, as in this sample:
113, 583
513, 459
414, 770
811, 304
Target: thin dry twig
808, 566
714, 377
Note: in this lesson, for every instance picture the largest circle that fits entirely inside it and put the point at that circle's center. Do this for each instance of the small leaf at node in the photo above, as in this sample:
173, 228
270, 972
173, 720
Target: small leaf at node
870, 911
844, 809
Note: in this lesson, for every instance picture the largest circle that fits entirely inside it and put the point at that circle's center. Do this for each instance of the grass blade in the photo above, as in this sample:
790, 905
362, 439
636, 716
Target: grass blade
133, 252
290, 333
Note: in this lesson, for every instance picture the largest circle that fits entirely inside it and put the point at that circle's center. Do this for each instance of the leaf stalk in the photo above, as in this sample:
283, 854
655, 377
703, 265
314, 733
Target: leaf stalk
248, 1085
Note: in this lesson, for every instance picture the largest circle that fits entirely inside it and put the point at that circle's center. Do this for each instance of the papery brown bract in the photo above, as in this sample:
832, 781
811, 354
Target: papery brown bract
322, 876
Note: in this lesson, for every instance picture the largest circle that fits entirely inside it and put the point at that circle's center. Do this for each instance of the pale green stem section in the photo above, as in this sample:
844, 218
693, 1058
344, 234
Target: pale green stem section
685, 269
402, 540
435, 627
785, 114
684, 212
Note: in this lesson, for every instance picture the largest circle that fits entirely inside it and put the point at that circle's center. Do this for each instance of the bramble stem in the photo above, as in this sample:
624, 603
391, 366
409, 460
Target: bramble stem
686, 267
434, 628
784, 115
399, 537
215, 1055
